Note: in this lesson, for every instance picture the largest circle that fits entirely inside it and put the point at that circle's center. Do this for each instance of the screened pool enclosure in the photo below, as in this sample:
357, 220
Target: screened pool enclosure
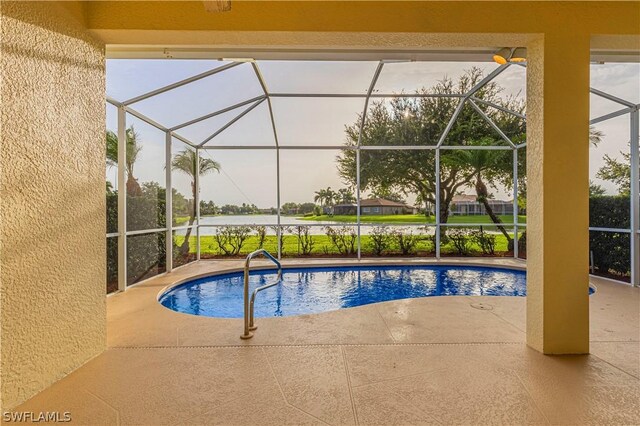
270, 138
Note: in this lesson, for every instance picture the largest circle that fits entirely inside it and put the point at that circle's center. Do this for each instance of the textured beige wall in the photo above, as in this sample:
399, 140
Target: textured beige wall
52, 223
558, 194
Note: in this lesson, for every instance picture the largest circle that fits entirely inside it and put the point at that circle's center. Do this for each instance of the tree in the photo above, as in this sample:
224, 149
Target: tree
345, 196
387, 194
595, 190
133, 149
595, 136
305, 208
325, 197
110, 189
484, 164
421, 122
618, 172
230, 209
290, 207
181, 205
208, 208
320, 197
185, 162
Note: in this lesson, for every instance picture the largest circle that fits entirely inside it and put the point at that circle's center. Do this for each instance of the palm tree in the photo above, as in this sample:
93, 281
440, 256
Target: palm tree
345, 196
325, 197
133, 149
595, 136
320, 197
331, 196
185, 162
482, 161
479, 162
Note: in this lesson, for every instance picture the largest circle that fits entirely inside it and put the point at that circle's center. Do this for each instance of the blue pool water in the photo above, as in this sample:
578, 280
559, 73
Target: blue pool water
306, 290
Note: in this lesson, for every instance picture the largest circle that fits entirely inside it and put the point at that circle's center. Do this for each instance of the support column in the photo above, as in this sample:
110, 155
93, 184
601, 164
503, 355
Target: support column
558, 194
437, 204
122, 199
358, 199
168, 203
197, 202
515, 203
279, 210
635, 197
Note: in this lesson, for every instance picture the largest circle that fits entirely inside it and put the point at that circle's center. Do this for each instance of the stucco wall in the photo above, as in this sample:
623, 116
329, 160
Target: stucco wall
52, 223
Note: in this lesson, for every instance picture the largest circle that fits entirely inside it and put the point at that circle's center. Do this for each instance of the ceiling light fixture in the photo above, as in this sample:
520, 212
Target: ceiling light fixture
502, 56
519, 55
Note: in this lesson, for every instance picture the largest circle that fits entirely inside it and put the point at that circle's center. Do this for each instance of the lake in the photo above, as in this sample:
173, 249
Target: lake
317, 227
262, 219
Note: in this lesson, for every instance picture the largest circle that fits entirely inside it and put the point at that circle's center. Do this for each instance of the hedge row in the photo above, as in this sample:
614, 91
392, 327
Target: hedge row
611, 251
146, 253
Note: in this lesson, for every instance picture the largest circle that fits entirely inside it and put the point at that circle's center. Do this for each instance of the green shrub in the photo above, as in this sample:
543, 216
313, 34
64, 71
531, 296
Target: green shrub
305, 239
432, 238
112, 212
230, 239
284, 230
112, 264
610, 212
611, 251
343, 238
146, 252
261, 233
146, 256
428, 239
406, 240
461, 241
522, 245
379, 240
486, 241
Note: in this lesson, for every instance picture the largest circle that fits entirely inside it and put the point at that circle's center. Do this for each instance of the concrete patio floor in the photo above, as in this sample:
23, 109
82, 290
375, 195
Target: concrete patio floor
418, 361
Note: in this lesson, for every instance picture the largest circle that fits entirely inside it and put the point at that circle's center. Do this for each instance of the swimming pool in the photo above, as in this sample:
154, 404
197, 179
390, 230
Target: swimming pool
314, 290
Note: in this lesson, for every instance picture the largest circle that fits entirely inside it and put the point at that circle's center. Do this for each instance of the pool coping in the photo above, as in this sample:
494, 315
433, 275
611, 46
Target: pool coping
374, 262
137, 319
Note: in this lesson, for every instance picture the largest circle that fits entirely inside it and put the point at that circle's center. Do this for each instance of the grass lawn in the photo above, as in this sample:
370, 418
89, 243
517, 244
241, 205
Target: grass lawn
323, 246
181, 220
410, 218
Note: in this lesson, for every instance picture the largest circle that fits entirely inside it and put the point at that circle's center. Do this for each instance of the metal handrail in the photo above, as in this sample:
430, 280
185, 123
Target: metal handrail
249, 304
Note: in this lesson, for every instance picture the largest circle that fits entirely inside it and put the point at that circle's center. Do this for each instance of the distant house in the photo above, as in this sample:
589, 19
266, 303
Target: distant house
468, 205
375, 206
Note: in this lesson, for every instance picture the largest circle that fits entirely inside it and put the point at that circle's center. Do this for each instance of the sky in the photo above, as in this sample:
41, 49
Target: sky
249, 176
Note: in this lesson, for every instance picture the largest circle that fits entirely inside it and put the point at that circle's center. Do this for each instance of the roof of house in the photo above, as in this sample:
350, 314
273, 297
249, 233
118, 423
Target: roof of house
465, 198
381, 202
375, 202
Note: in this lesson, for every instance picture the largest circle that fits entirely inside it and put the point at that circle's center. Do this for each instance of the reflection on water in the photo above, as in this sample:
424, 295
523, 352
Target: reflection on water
305, 291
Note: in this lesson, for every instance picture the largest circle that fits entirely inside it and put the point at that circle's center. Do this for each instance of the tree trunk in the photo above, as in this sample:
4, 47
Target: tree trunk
444, 218
483, 196
427, 213
184, 247
133, 187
